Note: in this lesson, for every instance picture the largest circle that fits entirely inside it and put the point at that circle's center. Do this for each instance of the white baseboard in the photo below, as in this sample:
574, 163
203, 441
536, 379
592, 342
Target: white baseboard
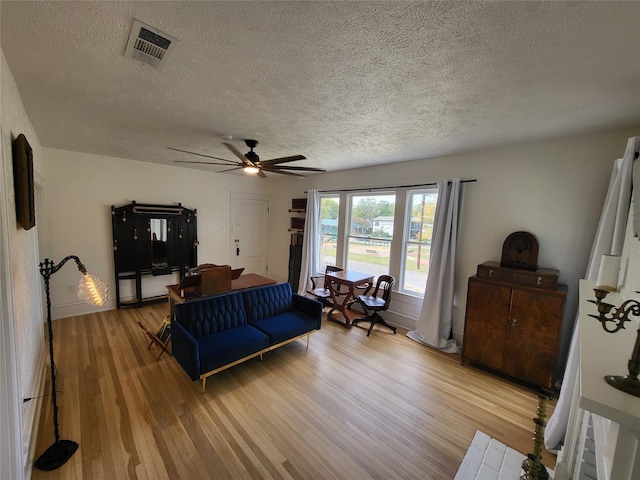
79, 308
73, 309
399, 320
32, 412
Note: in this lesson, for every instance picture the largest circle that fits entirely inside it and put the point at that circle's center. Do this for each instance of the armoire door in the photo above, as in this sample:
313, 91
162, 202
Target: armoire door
485, 328
532, 338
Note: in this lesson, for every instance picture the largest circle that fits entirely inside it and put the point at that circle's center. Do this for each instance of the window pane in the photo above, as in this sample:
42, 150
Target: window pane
418, 230
329, 208
370, 233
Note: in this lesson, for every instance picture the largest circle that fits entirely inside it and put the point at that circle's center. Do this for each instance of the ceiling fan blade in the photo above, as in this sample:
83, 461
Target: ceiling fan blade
201, 155
231, 169
275, 161
261, 174
202, 163
238, 154
304, 169
281, 172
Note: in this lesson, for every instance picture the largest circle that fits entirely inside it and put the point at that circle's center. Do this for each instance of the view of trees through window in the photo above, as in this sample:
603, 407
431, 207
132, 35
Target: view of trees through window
329, 212
417, 245
370, 233
368, 241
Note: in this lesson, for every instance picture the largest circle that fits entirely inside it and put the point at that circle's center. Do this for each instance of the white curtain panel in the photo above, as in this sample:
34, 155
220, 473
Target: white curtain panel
436, 316
609, 239
309, 262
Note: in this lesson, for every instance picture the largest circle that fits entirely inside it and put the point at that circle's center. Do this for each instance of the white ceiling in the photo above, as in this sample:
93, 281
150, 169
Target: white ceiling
346, 84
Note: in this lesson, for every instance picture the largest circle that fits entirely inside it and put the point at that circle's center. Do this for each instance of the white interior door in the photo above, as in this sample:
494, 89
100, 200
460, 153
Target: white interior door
249, 233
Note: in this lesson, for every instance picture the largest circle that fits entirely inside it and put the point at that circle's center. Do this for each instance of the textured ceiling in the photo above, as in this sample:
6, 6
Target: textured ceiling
346, 84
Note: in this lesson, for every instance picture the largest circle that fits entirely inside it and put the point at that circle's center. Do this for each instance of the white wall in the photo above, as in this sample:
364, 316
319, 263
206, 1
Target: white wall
22, 333
553, 189
80, 191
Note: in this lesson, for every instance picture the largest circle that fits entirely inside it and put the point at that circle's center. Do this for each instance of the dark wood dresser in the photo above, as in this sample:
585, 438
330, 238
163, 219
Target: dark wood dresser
513, 322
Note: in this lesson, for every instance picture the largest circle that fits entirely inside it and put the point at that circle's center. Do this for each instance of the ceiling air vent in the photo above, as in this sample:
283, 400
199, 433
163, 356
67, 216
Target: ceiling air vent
149, 45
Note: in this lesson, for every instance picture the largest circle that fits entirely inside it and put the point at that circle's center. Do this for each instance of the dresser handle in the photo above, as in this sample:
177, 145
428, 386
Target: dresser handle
490, 272
512, 321
539, 280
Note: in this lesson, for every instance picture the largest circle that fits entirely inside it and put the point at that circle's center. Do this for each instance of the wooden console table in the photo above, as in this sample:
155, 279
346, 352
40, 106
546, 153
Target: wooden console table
243, 282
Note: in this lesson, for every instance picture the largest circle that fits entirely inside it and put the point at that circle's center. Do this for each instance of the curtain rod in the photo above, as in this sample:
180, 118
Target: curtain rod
369, 189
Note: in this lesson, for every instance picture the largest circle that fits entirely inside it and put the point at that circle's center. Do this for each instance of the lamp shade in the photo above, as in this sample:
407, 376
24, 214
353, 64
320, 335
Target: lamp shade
92, 290
608, 273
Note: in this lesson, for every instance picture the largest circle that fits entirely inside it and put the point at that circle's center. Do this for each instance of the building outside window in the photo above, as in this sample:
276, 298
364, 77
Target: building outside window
383, 236
368, 247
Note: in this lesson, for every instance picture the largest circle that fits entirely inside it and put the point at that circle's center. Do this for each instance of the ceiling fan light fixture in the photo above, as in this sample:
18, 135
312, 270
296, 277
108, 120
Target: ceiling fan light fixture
250, 162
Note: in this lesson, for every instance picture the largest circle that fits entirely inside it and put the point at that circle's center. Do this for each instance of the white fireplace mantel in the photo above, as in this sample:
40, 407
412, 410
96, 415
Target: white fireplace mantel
611, 446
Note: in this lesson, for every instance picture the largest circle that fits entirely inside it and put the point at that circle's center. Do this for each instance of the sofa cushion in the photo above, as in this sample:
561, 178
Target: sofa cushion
230, 345
286, 325
210, 315
267, 301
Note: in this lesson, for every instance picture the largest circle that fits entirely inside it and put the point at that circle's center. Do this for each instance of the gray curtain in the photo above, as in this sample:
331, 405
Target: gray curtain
436, 316
309, 262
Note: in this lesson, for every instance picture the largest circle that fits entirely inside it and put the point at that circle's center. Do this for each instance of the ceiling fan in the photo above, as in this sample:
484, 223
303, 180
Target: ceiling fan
251, 162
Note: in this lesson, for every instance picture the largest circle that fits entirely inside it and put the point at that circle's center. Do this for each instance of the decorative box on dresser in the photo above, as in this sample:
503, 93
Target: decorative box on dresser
513, 322
603, 433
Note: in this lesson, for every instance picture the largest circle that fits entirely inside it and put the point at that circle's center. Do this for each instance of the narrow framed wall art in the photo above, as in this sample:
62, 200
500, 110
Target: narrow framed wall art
23, 182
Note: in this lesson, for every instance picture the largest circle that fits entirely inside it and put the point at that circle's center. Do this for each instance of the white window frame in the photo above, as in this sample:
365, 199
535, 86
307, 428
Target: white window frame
319, 230
401, 229
406, 235
347, 229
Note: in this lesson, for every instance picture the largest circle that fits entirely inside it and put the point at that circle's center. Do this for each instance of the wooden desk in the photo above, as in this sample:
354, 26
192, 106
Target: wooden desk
351, 279
243, 282
250, 280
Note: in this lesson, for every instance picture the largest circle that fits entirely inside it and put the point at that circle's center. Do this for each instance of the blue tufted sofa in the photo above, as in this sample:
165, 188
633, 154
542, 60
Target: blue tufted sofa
212, 334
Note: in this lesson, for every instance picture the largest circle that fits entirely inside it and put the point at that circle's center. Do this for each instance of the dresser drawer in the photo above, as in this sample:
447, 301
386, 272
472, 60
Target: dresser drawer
541, 278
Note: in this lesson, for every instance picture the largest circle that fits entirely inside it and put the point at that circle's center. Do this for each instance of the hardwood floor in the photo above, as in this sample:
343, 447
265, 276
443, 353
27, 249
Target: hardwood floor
349, 407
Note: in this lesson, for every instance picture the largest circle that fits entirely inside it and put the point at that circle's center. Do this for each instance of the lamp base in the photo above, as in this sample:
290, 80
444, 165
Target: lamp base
627, 384
56, 455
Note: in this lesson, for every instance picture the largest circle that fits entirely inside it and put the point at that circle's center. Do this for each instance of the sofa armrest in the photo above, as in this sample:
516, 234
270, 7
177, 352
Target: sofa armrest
185, 349
309, 306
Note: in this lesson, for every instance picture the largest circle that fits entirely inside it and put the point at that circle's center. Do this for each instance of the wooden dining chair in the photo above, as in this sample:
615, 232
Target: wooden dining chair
361, 289
320, 287
377, 302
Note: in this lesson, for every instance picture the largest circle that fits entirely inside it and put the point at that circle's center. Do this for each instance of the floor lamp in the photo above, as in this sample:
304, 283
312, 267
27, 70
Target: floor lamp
92, 290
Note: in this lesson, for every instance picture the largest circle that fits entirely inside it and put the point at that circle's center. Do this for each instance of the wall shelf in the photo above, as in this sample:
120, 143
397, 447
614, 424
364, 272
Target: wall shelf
298, 206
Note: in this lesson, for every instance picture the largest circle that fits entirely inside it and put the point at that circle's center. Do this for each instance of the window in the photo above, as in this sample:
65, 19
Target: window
329, 213
418, 227
371, 223
357, 230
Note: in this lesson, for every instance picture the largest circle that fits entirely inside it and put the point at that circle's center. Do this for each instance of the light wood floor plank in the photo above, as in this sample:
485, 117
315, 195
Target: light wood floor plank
348, 407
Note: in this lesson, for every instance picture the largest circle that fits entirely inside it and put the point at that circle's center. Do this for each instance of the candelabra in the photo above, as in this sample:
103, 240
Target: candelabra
608, 314
532, 465
92, 290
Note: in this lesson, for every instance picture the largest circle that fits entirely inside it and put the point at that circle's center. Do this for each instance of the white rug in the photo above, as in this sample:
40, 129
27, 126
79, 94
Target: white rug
488, 459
